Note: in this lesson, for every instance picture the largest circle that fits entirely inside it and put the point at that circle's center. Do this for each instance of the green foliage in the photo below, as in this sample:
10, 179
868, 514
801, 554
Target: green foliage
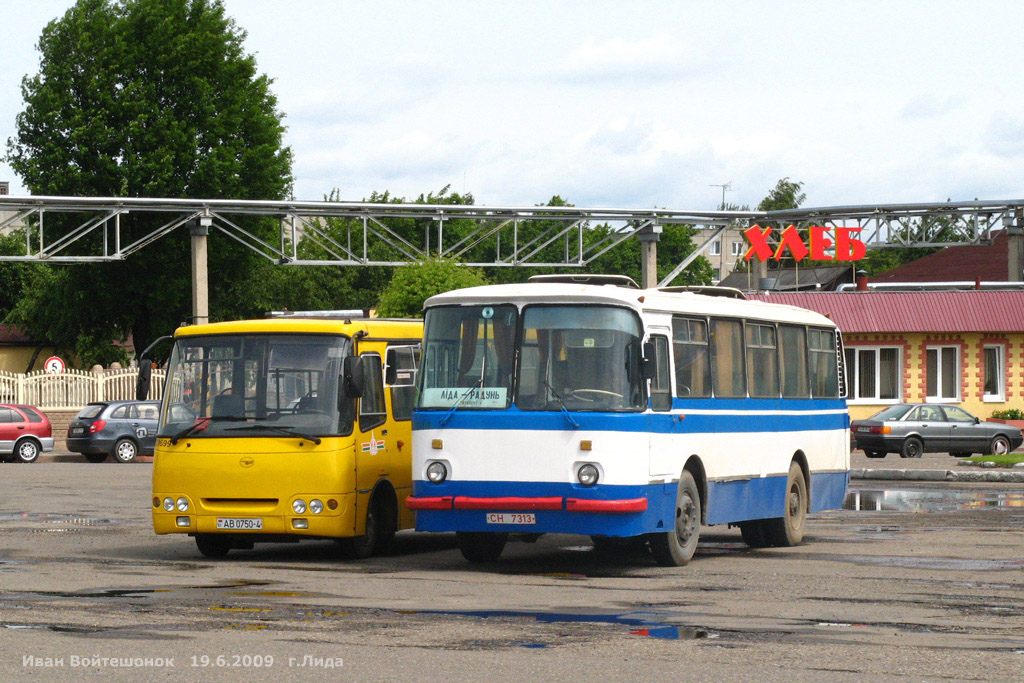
415, 283
785, 195
1005, 460
145, 98
1008, 414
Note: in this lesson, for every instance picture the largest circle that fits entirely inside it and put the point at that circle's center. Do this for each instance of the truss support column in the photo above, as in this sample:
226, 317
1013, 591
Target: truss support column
200, 231
1015, 248
649, 237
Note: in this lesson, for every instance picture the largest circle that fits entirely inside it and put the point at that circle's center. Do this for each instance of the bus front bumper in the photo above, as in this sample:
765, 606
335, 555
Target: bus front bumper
337, 523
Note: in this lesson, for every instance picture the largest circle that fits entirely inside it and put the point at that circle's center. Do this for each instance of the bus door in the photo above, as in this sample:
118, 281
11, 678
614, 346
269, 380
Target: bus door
662, 424
373, 444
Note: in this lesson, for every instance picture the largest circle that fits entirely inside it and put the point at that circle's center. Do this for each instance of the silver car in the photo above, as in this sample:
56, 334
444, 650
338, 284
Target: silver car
912, 429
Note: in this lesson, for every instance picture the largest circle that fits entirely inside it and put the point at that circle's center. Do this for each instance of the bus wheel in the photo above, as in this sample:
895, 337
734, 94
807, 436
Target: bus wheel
213, 545
754, 533
675, 548
481, 546
362, 547
789, 529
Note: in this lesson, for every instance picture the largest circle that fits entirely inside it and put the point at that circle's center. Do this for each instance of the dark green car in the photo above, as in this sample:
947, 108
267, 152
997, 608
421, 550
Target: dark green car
912, 429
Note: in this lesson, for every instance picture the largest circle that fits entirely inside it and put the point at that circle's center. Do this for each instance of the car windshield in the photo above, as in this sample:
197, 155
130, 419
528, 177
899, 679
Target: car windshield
580, 358
891, 413
220, 385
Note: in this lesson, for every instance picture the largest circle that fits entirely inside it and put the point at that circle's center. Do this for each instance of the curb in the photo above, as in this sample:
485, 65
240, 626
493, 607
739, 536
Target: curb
937, 475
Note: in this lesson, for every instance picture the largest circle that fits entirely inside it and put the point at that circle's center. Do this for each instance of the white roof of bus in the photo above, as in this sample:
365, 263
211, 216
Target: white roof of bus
653, 300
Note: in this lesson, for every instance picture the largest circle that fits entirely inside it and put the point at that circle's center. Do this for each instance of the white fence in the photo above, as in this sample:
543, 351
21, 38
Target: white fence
72, 389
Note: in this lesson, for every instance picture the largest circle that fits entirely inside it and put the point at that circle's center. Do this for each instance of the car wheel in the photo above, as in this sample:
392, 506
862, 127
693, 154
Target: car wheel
788, 530
481, 546
674, 548
875, 454
125, 450
1000, 445
27, 451
213, 545
96, 457
913, 447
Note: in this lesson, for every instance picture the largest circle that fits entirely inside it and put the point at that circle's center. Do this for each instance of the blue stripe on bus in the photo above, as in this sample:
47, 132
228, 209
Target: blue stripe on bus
656, 423
728, 502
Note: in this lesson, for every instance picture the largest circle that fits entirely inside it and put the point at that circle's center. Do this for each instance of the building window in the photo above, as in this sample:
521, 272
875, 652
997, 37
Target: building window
716, 248
737, 248
942, 368
873, 375
995, 377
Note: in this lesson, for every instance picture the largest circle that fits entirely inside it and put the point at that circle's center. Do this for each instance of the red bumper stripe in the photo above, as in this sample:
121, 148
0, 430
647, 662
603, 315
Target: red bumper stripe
510, 503
582, 505
444, 503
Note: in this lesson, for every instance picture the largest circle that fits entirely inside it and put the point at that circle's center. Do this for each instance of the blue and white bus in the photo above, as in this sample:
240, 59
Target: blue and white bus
611, 411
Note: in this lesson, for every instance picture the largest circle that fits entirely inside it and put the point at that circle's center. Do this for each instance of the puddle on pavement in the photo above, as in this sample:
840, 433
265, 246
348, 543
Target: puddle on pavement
142, 592
650, 624
910, 500
52, 522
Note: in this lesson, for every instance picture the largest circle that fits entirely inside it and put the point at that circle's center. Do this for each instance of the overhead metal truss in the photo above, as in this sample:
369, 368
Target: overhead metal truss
349, 233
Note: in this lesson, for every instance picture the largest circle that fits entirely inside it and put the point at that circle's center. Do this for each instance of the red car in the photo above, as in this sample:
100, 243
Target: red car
25, 432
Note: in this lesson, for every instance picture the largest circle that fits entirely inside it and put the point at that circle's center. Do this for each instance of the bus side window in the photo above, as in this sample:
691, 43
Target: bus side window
824, 363
762, 361
400, 375
371, 404
727, 359
690, 348
661, 386
793, 354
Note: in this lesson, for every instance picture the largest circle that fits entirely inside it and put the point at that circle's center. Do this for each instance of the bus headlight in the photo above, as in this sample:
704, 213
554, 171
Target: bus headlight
587, 475
316, 506
169, 504
299, 506
437, 472
182, 504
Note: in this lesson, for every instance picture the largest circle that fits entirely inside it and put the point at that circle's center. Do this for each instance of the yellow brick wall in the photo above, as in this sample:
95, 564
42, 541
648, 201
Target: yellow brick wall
971, 368
16, 358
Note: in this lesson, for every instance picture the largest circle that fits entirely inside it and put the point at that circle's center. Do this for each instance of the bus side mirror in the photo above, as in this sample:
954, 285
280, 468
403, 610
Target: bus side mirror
648, 368
351, 377
145, 376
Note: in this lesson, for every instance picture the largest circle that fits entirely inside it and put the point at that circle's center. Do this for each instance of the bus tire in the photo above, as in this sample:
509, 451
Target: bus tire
675, 548
788, 530
213, 545
362, 547
754, 534
481, 546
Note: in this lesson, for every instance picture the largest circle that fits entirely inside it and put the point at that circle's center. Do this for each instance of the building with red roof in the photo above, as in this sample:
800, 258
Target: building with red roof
953, 346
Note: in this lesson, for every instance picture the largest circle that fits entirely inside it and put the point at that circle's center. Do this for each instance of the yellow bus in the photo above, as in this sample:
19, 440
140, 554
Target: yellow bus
287, 428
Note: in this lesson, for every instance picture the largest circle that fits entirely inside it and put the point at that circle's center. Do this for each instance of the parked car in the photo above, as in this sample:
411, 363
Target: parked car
912, 429
122, 429
25, 432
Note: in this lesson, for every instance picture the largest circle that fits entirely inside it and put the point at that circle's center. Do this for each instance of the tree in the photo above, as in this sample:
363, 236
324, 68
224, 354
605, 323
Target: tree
415, 283
785, 195
146, 98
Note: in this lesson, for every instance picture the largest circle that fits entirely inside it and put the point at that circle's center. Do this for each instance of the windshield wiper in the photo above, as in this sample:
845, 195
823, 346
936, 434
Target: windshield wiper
561, 403
451, 411
280, 429
202, 423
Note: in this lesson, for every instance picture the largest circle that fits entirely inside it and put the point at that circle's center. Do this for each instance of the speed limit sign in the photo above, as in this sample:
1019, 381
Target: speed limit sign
54, 365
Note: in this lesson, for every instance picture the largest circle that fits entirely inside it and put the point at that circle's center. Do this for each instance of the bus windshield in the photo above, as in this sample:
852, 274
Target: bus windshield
580, 358
468, 357
255, 384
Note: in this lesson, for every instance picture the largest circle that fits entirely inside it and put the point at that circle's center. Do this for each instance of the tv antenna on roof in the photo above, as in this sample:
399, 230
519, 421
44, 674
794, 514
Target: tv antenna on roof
727, 187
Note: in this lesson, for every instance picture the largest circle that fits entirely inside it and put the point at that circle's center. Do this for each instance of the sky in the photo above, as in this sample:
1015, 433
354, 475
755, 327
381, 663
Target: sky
633, 105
